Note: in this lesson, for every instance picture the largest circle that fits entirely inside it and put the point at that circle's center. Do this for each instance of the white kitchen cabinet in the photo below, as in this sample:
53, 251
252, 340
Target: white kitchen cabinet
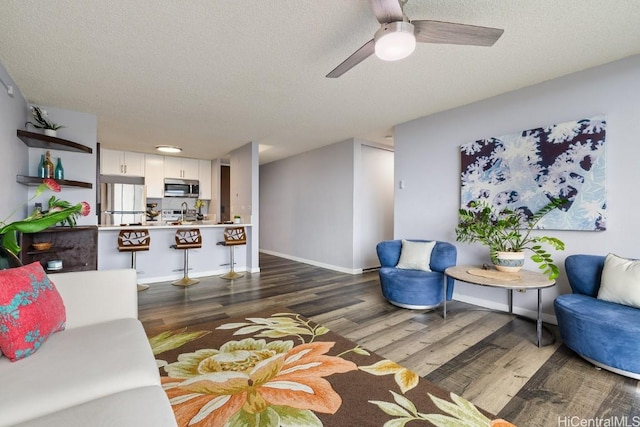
204, 176
154, 176
180, 167
172, 167
115, 162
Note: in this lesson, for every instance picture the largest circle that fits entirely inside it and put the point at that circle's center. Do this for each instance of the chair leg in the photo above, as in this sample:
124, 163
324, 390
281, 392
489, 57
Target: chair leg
185, 281
232, 273
133, 265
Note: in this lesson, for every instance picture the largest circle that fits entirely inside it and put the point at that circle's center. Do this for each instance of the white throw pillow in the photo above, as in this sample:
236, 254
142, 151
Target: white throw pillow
620, 281
415, 255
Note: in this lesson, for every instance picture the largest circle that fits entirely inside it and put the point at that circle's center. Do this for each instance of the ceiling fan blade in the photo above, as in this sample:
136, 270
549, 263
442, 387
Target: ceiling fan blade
357, 57
451, 33
386, 10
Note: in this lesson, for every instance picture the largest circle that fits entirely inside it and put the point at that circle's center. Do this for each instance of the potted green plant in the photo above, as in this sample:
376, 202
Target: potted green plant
509, 232
42, 121
199, 205
60, 211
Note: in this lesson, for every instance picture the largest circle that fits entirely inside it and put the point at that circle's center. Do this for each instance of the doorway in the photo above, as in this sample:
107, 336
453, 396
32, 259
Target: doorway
376, 201
225, 193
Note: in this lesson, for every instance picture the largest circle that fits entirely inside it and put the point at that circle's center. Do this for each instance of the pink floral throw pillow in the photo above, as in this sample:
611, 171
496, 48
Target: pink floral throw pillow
31, 309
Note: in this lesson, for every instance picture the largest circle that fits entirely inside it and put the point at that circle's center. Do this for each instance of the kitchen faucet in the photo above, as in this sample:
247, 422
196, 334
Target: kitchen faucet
184, 207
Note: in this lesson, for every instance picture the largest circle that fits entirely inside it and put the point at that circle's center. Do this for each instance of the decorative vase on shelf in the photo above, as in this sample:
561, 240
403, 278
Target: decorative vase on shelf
49, 169
50, 132
59, 171
41, 169
7, 258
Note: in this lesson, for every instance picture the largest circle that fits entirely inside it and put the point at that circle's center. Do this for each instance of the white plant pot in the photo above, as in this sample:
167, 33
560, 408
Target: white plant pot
50, 132
237, 220
509, 262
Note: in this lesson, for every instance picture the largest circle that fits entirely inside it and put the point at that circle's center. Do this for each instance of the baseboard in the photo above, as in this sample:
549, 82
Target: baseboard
314, 263
531, 314
547, 318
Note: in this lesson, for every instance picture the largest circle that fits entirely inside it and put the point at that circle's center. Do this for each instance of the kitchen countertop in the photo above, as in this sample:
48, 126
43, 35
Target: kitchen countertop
162, 225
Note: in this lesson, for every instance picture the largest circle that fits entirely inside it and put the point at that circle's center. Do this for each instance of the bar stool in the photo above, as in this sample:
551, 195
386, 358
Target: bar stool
187, 239
134, 241
233, 236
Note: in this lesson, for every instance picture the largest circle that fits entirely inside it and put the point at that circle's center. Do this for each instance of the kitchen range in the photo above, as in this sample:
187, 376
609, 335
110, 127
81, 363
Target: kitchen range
173, 215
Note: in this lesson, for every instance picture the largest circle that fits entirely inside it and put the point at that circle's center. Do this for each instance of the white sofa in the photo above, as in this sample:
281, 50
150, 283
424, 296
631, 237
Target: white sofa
99, 371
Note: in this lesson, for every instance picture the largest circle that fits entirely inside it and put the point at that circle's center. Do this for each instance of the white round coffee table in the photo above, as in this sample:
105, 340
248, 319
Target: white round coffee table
521, 281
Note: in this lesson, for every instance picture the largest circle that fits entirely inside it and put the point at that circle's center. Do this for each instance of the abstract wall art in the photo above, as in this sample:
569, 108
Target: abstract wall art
525, 170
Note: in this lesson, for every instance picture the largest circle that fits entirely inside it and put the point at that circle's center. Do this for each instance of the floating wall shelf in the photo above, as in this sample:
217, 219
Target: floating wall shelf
35, 181
39, 140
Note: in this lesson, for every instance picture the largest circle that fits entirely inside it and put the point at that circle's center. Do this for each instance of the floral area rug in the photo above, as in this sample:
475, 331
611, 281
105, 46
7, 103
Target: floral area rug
277, 368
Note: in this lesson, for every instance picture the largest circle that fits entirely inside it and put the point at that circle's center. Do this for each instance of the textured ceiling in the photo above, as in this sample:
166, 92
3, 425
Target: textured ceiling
212, 75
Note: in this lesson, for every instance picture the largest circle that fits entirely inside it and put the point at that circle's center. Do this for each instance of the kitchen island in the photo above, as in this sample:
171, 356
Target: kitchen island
162, 263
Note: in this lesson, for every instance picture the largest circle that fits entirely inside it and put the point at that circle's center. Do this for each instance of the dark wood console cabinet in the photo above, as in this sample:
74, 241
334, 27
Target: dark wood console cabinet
76, 247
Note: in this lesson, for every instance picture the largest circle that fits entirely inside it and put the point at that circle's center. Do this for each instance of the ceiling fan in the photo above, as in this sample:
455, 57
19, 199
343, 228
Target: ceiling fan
397, 36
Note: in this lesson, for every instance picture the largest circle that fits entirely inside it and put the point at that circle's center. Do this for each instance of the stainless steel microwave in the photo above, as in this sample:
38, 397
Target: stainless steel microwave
181, 188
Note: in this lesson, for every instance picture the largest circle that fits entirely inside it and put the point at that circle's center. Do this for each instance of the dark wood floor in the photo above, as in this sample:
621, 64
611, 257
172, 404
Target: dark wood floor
489, 358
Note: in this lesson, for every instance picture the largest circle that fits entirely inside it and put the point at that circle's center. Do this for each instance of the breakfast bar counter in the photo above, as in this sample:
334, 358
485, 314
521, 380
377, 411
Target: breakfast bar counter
172, 225
162, 263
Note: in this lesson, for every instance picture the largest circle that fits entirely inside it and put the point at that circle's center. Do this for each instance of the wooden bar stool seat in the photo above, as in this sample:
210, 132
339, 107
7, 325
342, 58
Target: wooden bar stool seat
187, 239
233, 236
134, 241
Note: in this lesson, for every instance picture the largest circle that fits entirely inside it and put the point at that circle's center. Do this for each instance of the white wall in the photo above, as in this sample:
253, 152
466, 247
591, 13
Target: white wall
241, 190
427, 159
306, 207
83, 129
244, 195
80, 127
14, 151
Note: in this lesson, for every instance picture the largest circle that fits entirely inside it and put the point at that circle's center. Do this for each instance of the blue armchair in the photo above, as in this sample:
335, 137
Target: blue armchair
602, 332
415, 289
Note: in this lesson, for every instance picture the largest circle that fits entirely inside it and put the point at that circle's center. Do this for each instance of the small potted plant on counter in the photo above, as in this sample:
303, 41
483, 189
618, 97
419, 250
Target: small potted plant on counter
199, 205
237, 219
507, 233
41, 120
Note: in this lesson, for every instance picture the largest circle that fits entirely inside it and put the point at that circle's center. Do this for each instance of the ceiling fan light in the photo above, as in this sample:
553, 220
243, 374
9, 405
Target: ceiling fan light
394, 41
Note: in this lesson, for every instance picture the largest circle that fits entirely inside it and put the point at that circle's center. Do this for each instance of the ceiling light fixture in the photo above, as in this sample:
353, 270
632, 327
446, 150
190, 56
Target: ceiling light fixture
395, 40
168, 148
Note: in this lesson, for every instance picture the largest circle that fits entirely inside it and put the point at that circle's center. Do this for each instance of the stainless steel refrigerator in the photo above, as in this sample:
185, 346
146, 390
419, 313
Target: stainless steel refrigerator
122, 204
